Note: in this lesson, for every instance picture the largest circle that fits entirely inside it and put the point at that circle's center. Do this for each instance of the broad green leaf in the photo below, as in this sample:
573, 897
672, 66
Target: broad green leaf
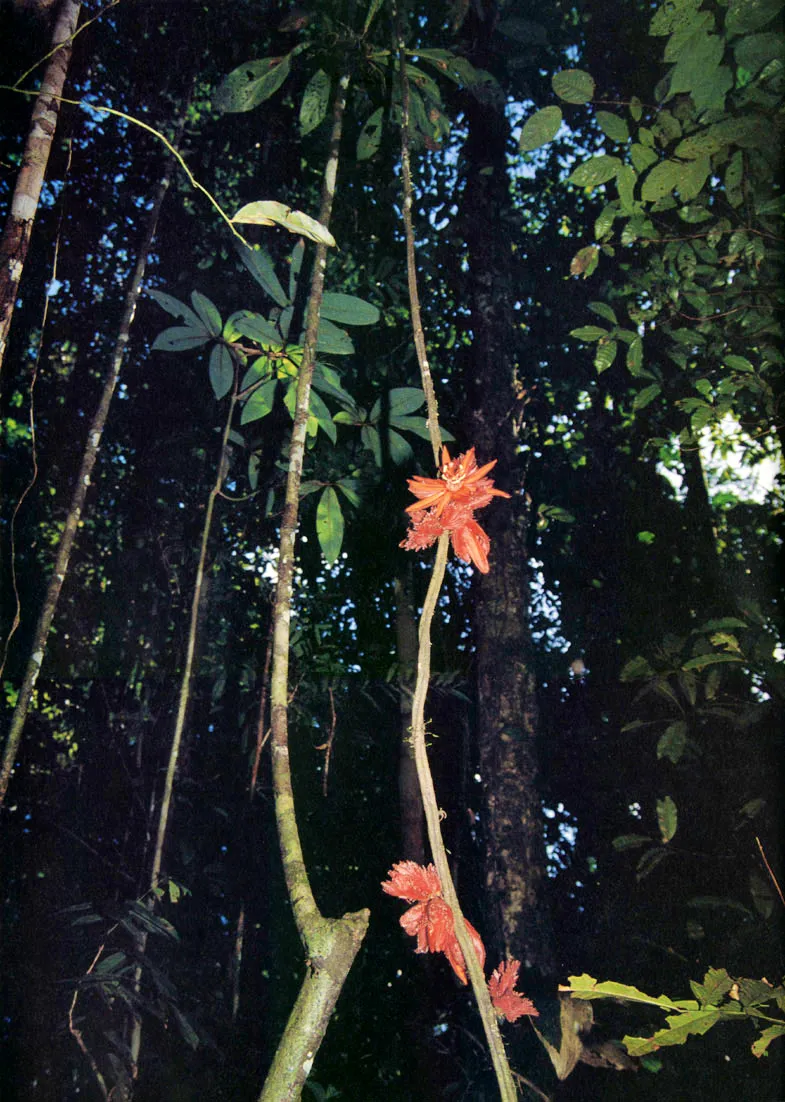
716, 985
208, 313
769, 1034
181, 338
642, 157
630, 841
605, 355
644, 397
613, 126
370, 136
662, 179
297, 222
597, 170
268, 212
257, 328
636, 109
635, 356
176, 308
405, 399
667, 818
682, 1026
672, 742
604, 221
673, 17
260, 402
637, 668
333, 340
742, 131
254, 466
260, 369
604, 311
323, 415
418, 426
573, 85
696, 66
540, 128
348, 309
370, 440
626, 179
251, 83
749, 15
316, 97
221, 370
328, 382
259, 264
755, 51
400, 449
329, 525
589, 332
110, 963
349, 487
712, 659
693, 178
738, 363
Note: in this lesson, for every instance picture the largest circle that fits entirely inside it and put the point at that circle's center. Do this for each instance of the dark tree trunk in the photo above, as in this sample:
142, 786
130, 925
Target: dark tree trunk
507, 717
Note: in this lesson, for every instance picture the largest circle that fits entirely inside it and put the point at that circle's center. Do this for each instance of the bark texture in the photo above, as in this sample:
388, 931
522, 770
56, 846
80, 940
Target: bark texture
24, 204
507, 716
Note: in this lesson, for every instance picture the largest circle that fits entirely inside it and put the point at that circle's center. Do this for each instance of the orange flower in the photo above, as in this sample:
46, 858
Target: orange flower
460, 480
509, 1004
430, 920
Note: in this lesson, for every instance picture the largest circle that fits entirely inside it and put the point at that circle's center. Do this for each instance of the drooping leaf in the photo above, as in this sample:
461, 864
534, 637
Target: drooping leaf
259, 403
221, 370
316, 98
259, 264
370, 136
573, 85
769, 1034
630, 841
667, 818
540, 128
586, 987
329, 525
268, 212
252, 83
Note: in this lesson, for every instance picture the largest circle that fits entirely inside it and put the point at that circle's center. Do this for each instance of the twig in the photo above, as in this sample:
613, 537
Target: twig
774, 880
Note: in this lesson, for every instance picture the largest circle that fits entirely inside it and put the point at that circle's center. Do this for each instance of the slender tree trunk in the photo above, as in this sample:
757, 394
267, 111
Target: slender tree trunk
507, 714
24, 203
68, 538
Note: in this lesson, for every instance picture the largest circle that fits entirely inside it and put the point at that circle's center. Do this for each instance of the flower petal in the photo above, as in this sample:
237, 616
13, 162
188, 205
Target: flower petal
509, 1003
412, 882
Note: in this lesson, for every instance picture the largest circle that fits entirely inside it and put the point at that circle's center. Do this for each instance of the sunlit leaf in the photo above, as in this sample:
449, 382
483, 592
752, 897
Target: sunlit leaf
573, 85
329, 525
259, 403
316, 98
540, 128
251, 83
597, 170
613, 126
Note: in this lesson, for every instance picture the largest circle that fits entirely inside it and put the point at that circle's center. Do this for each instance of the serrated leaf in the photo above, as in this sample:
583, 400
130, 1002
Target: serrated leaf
605, 355
603, 310
586, 987
769, 1034
329, 525
716, 985
176, 308
348, 309
597, 170
667, 818
540, 128
644, 397
208, 313
259, 264
589, 333
573, 85
370, 136
260, 402
221, 370
316, 98
251, 83
613, 126
180, 338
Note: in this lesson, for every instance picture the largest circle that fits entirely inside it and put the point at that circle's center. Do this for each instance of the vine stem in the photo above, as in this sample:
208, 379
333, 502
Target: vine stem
433, 816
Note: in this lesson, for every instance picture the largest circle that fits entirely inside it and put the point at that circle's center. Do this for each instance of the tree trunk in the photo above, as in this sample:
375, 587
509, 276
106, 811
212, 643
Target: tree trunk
507, 717
19, 226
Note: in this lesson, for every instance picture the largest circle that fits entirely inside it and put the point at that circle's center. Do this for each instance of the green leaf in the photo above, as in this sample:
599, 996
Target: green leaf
254, 466
748, 15
635, 356
257, 328
604, 311
323, 416
586, 987
755, 51
267, 212
405, 399
630, 841
644, 397
252, 83
370, 440
418, 426
573, 85
208, 313
540, 128
348, 309
605, 355
590, 332
329, 525
259, 403
370, 136
349, 487
259, 264
333, 340
597, 170
585, 261
400, 449
613, 126
177, 309
110, 963
180, 338
626, 180
662, 180
716, 985
221, 370
711, 659
673, 742
603, 223
769, 1034
637, 668
316, 98
642, 157
667, 818
738, 363
693, 178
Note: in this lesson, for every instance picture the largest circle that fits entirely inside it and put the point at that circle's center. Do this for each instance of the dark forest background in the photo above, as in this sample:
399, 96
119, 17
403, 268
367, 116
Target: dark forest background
614, 684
